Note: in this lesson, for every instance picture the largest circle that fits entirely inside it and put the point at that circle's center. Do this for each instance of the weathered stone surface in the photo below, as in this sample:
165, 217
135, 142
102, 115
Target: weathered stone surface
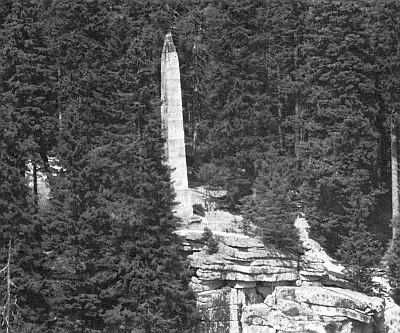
335, 280
245, 296
263, 275
212, 298
198, 285
258, 318
311, 284
335, 273
392, 317
261, 318
330, 297
273, 262
258, 329
244, 264
242, 258
251, 270
192, 247
241, 241
244, 285
314, 250
193, 235
190, 235
248, 288
314, 309
252, 254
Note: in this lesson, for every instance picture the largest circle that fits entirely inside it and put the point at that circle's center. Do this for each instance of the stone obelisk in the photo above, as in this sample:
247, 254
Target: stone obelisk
172, 124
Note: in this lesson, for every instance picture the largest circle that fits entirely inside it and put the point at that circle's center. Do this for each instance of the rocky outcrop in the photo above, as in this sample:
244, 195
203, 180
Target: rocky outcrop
392, 316
248, 288
315, 309
245, 259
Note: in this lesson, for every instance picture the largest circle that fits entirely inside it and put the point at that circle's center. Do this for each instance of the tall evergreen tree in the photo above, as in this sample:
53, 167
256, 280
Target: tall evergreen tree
119, 269
29, 81
386, 40
27, 100
339, 156
272, 207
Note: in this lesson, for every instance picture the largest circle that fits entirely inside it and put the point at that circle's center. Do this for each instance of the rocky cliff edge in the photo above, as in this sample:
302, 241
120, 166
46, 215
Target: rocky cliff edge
248, 288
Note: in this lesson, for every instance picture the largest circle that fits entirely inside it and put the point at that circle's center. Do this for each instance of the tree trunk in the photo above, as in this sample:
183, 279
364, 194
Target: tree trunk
35, 185
8, 297
297, 129
395, 181
280, 114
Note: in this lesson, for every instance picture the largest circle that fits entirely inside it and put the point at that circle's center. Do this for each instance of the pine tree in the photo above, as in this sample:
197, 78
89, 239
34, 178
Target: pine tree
272, 207
114, 253
28, 91
386, 40
26, 124
340, 153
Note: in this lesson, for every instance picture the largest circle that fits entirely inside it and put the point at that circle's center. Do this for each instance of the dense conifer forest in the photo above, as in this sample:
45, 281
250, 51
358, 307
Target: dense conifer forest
292, 105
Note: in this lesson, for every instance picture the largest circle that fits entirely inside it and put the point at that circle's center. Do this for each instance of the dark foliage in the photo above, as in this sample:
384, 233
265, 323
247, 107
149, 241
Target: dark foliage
287, 106
271, 208
211, 242
198, 209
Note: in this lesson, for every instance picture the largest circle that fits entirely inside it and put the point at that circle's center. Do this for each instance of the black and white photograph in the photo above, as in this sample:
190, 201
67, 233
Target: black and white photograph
199, 166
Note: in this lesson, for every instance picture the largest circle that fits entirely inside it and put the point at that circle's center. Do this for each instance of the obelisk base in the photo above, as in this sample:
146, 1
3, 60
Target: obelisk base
184, 208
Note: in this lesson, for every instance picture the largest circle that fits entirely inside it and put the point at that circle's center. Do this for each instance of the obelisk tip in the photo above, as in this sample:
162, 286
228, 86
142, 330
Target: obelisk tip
168, 44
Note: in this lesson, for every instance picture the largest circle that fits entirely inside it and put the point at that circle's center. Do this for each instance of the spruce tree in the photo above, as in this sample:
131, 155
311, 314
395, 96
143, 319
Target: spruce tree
272, 207
386, 40
28, 91
27, 100
340, 152
114, 254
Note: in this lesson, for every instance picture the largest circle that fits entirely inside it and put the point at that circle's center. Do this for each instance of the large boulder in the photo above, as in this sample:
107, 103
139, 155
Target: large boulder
392, 317
315, 309
247, 287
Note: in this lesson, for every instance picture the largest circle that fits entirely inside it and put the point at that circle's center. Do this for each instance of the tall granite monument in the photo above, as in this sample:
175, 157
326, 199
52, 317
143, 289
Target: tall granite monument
172, 125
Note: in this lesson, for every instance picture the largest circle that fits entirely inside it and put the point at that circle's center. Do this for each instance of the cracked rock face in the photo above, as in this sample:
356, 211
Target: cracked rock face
314, 309
248, 288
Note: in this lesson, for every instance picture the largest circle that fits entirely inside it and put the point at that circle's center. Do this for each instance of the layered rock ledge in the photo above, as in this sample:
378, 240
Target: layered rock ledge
315, 309
248, 288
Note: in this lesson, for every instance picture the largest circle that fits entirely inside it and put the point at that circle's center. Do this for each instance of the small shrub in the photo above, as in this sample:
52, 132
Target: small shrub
207, 234
332, 327
360, 251
210, 241
245, 226
198, 209
212, 246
